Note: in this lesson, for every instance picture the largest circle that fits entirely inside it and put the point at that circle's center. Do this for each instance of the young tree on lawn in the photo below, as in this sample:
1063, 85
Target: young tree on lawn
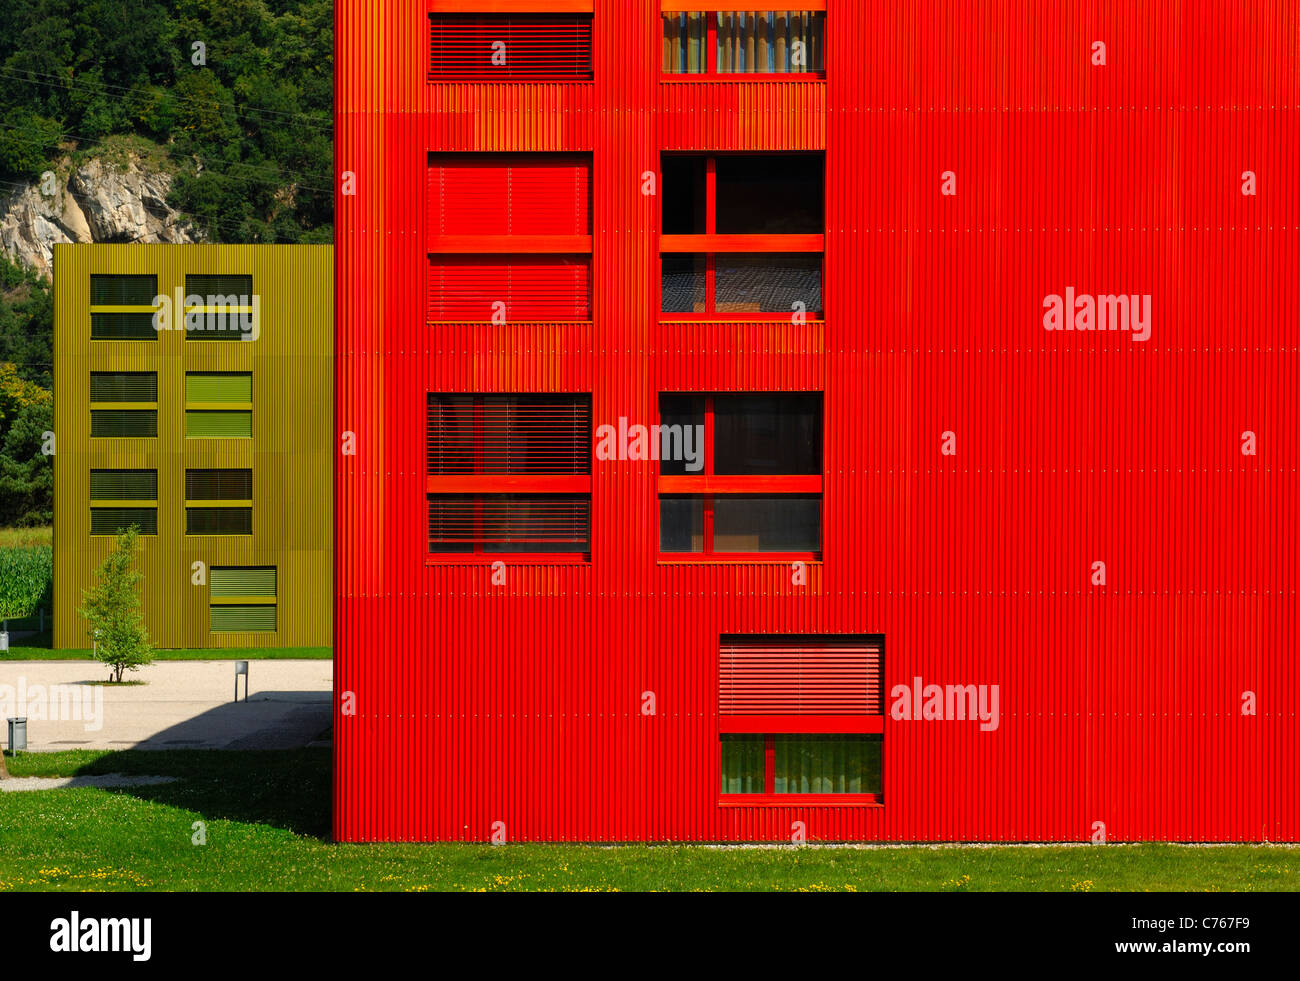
112, 608
25, 575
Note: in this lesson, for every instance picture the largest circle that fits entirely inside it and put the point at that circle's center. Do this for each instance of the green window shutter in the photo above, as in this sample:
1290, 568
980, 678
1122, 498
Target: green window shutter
242, 619
123, 386
109, 521
128, 423
203, 423
124, 485
218, 485
242, 582
122, 327
218, 521
220, 284
219, 387
123, 291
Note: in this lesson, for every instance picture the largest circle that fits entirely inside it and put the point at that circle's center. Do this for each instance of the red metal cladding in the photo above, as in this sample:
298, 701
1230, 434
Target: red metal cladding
509, 194
1096, 528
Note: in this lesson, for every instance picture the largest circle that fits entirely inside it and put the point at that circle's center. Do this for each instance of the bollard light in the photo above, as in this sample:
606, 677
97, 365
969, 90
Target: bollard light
241, 667
17, 734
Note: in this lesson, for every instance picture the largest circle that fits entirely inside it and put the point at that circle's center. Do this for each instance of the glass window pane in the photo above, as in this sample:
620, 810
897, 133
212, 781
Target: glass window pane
221, 386
122, 327
767, 434
681, 523
770, 194
109, 521
742, 763
123, 423
771, 282
123, 386
684, 39
123, 291
535, 523
218, 521
827, 764
685, 412
770, 41
683, 194
683, 283
782, 523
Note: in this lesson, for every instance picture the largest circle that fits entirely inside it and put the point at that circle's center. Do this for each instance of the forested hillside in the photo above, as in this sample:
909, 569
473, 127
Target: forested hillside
232, 99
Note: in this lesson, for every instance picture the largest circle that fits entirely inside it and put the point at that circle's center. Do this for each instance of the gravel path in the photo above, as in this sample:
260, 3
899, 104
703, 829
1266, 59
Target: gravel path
14, 784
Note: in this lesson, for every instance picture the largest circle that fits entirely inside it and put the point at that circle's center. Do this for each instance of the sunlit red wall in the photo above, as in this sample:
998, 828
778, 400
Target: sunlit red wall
1121, 704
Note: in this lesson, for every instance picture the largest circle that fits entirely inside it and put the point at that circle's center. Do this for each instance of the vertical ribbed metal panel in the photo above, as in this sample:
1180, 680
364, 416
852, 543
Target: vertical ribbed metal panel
521, 703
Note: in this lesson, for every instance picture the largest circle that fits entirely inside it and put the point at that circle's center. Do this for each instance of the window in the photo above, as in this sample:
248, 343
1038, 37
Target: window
742, 235
122, 308
218, 502
121, 498
123, 404
757, 489
515, 47
744, 42
801, 715
242, 599
218, 404
226, 307
509, 237
509, 474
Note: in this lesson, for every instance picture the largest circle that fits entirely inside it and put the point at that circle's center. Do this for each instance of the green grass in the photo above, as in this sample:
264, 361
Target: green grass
26, 537
41, 651
267, 821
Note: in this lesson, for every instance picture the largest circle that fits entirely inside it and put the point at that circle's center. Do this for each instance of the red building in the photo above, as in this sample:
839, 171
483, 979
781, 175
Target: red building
971, 329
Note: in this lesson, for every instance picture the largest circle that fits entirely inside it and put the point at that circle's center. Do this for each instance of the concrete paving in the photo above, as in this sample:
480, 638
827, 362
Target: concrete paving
179, 705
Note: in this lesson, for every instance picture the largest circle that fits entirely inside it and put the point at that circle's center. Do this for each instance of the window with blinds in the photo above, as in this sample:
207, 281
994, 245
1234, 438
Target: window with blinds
509, 237
218, 502
509, 473
123, 404
218, 405
122, 307
801, 714
509, 47
242, 599
123, 423
743, 42
225, 311
121, 498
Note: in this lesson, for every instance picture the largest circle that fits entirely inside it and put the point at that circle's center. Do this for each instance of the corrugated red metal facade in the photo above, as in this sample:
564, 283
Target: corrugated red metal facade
467, 707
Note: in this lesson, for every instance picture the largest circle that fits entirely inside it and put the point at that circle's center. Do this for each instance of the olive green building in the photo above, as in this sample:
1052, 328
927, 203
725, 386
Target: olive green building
193, 397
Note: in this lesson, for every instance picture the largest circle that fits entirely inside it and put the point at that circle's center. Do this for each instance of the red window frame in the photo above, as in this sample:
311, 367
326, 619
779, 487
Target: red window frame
711, 73
481, 485
711, 243
709, 485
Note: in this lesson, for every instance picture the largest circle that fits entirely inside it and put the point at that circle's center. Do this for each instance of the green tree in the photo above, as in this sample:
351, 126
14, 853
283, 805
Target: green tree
112, 609
25, 575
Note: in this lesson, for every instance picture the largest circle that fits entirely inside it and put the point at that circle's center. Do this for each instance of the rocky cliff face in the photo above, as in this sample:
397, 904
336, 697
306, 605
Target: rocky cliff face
98, 202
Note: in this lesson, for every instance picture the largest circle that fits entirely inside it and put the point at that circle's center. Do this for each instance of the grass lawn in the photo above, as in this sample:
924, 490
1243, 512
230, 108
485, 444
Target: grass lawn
38, 649
26, 537
267, 824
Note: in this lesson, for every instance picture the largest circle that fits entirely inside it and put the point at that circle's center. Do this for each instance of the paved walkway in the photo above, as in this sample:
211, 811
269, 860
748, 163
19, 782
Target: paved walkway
182, 705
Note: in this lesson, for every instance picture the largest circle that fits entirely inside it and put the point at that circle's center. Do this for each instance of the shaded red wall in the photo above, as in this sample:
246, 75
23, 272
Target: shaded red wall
1120, 704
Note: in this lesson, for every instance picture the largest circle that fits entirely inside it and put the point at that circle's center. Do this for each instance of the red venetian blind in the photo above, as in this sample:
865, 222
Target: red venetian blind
509, 473
516, 47
798, 678
509, 237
